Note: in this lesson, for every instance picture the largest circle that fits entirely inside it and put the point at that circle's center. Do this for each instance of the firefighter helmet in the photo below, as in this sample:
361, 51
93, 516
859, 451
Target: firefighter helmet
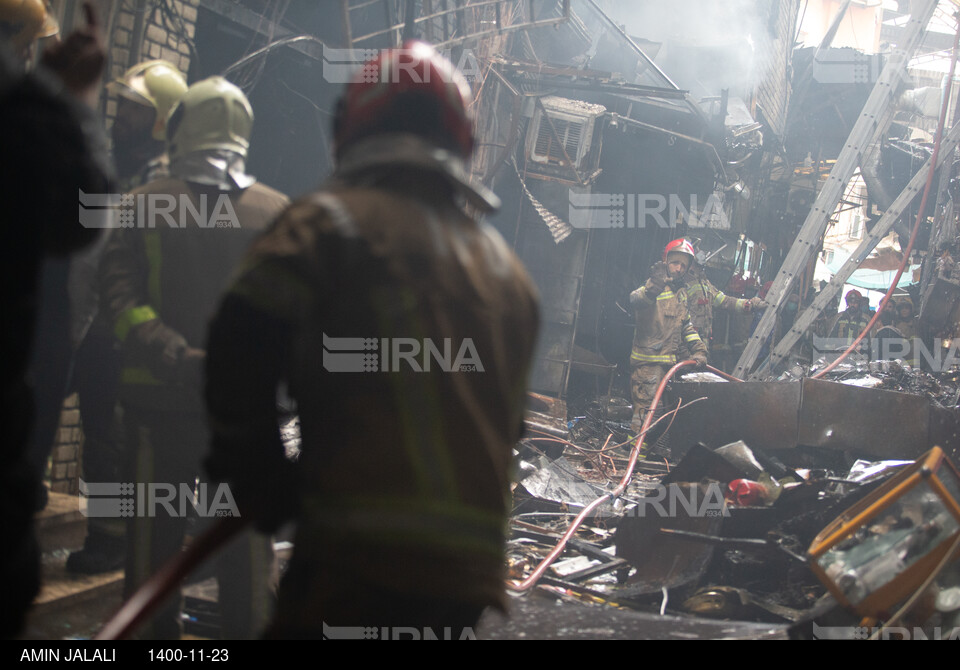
853, 294
212, 114
412, 90
23, 21
680, 246
154, 83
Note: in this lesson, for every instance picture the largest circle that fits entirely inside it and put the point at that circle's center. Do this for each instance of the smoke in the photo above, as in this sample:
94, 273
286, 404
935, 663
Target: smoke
708, 45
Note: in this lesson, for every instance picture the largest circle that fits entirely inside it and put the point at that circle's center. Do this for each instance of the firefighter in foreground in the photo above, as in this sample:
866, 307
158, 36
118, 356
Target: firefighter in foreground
145, 95
404, 330
161, 280
664, 334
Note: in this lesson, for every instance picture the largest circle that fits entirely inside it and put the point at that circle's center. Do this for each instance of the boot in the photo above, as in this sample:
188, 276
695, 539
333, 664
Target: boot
101, 553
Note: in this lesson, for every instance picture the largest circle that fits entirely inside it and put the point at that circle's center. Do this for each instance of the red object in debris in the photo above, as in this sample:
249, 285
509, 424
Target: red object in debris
746, 492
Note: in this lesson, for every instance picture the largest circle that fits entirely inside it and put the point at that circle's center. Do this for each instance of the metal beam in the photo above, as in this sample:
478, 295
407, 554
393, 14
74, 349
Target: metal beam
865, 132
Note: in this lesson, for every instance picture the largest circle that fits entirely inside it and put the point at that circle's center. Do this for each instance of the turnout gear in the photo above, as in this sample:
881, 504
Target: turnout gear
400, 521
154, 83
853, 295
703, 297
212, 114
907, 323
145, 95
663, 335
422, 519
658, 279
851, 321
161, 286
681, 246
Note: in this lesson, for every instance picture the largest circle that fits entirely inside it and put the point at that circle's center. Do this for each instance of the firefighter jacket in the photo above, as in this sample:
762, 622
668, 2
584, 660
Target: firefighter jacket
850, 324
702, 298
162, 274
907, 326
664, 332
404, 331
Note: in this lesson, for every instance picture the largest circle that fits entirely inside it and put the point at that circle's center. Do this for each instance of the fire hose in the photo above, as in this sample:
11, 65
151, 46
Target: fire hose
916, 226
539, 571
156, 589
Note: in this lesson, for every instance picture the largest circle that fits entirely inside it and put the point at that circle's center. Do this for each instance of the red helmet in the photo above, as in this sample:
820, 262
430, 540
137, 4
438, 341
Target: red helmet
680, 246
412, 89
853, 293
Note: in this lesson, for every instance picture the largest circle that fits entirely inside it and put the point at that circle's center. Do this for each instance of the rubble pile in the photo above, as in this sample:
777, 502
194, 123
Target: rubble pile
719, 533
942, 389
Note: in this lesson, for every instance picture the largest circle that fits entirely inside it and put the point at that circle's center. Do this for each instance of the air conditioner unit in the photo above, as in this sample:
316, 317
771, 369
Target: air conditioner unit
565, 136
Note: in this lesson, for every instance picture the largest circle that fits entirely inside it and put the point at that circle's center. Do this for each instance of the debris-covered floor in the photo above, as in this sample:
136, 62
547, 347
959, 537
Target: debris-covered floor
714, 537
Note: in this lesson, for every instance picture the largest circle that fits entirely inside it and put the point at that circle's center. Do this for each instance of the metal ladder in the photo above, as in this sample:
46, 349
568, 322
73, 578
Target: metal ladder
865, 132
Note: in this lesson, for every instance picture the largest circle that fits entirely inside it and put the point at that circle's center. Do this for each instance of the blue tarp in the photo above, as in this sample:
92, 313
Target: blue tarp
876, 280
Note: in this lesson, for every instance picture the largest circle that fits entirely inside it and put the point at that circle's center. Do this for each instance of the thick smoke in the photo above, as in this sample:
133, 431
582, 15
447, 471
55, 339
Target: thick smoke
707, 45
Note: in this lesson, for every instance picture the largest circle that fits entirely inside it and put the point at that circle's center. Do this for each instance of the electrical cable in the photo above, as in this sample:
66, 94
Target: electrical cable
541, 569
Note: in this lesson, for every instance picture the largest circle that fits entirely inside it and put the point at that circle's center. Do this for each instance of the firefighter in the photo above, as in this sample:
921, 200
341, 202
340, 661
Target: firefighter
51, 148
703, 297
888, 315
404, 330
852, 320
906, 321
145, 95
162, 274
664, 334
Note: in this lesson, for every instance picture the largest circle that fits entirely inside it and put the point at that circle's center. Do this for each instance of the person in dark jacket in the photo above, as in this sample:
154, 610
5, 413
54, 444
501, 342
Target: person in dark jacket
403, 329
52, 148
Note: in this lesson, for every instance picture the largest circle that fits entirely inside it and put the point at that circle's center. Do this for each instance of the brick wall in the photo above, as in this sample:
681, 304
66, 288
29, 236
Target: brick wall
774, 51
161, 34
65, 457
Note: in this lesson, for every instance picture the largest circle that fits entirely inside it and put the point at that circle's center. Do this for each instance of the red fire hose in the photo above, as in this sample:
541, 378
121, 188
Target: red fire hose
149, 596
535, 576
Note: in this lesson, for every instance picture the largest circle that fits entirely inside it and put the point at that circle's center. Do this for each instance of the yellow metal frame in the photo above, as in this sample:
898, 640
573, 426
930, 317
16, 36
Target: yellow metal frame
879, 602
